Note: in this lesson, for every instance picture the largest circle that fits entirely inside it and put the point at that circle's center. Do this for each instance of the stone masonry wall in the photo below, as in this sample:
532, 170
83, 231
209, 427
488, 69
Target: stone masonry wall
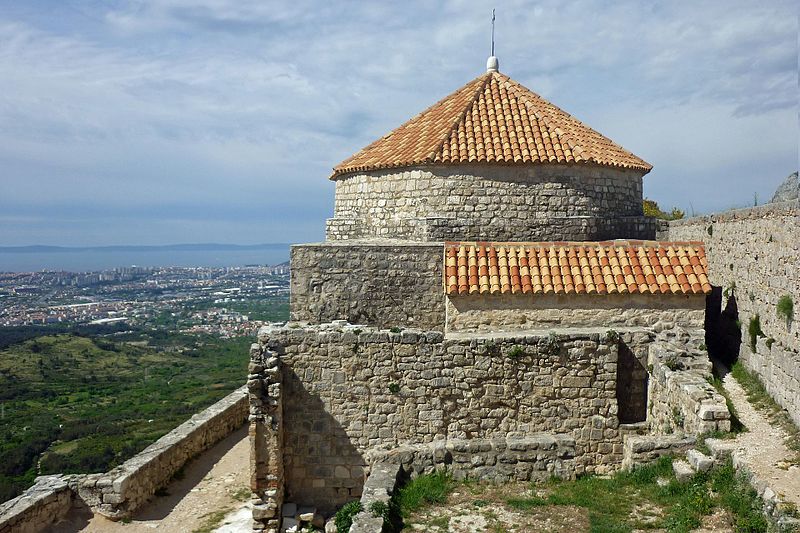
490, 202
353, 390
515, 312
384, 285
758, 250
681, 400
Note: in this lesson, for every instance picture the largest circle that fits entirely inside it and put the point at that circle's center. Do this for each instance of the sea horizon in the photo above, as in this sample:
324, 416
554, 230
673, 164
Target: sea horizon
36, 258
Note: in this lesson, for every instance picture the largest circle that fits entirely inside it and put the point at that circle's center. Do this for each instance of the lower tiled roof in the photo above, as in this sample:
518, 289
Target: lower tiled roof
607, 267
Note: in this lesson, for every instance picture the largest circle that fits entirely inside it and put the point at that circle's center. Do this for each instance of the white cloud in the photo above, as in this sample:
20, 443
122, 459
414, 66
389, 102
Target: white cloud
245, 103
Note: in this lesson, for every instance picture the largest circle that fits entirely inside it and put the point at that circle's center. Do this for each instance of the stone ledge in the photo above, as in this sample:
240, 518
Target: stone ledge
639, 450
775, 508
533, 457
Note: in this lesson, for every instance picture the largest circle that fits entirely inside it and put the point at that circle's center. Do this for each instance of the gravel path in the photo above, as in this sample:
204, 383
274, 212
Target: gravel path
209, 485
762, 446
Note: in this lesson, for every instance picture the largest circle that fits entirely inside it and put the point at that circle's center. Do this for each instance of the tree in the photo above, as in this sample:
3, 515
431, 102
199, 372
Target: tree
651, 209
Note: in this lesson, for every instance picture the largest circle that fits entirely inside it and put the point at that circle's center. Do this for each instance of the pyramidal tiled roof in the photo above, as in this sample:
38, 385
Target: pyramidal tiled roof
576, 268
491, 119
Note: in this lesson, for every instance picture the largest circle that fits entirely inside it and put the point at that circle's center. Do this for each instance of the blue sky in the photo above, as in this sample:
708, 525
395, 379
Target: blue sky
132, 122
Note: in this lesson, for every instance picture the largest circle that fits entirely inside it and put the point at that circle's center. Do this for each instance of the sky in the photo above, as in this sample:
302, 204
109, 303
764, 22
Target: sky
182, 121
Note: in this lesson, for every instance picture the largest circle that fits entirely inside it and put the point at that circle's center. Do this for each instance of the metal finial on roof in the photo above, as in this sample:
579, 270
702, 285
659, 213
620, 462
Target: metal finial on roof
492, 64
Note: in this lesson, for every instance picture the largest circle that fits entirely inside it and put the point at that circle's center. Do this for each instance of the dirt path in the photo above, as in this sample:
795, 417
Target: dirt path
214, 483
762, 446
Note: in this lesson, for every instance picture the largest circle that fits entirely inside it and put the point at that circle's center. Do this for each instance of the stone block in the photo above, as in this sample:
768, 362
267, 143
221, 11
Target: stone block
683, 471
699, 461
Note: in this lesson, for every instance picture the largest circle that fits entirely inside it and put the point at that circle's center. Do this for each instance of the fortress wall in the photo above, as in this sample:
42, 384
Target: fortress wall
515, 312
120, 491
491, 202
382, 284
348, 390
758, 250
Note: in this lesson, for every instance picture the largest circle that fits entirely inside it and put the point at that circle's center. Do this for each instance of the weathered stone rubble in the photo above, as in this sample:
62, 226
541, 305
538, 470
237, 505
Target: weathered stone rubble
681, 397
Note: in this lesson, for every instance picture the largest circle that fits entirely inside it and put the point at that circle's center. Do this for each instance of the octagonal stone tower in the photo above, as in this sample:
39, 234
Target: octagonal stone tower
491, 162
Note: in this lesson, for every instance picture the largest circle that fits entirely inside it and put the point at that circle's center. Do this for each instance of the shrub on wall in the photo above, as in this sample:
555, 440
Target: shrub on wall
754, 331
785, 308
344, 516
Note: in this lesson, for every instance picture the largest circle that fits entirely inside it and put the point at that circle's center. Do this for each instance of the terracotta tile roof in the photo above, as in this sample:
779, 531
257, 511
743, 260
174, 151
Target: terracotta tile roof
576, 268
491, 119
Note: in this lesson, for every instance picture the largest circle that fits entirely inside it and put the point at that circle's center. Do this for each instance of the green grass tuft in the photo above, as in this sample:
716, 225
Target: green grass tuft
785, 308
424, 490
344, 516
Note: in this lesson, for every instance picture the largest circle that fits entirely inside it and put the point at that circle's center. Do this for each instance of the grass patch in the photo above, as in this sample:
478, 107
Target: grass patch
758, 396
424, 490
740, 499
212, 520
344, 516
754, 331
242, 494
612, 502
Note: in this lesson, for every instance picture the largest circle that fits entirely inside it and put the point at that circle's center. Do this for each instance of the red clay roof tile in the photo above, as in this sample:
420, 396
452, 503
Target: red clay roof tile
491, 119
576, 267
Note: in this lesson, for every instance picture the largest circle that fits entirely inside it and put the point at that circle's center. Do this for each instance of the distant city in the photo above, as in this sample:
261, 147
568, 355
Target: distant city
193, 299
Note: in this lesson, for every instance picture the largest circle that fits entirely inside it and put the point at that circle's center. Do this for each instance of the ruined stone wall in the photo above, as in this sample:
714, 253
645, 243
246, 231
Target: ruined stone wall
348, 391
385, 285
492, 203
755, 255
523, 311
681, 399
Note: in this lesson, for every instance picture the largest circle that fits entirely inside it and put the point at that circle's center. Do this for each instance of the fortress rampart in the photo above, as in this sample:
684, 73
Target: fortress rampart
754, 256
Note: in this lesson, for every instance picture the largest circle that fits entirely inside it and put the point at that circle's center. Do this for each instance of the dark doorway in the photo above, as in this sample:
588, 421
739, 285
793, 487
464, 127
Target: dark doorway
723, 331
631, 387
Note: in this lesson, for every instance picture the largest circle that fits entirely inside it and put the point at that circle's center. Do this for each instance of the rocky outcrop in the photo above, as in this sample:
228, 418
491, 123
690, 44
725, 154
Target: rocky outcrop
788, 190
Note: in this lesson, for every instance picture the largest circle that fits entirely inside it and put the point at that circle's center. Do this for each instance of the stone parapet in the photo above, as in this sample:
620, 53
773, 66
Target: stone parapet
47, 502
681, 399
120, 491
